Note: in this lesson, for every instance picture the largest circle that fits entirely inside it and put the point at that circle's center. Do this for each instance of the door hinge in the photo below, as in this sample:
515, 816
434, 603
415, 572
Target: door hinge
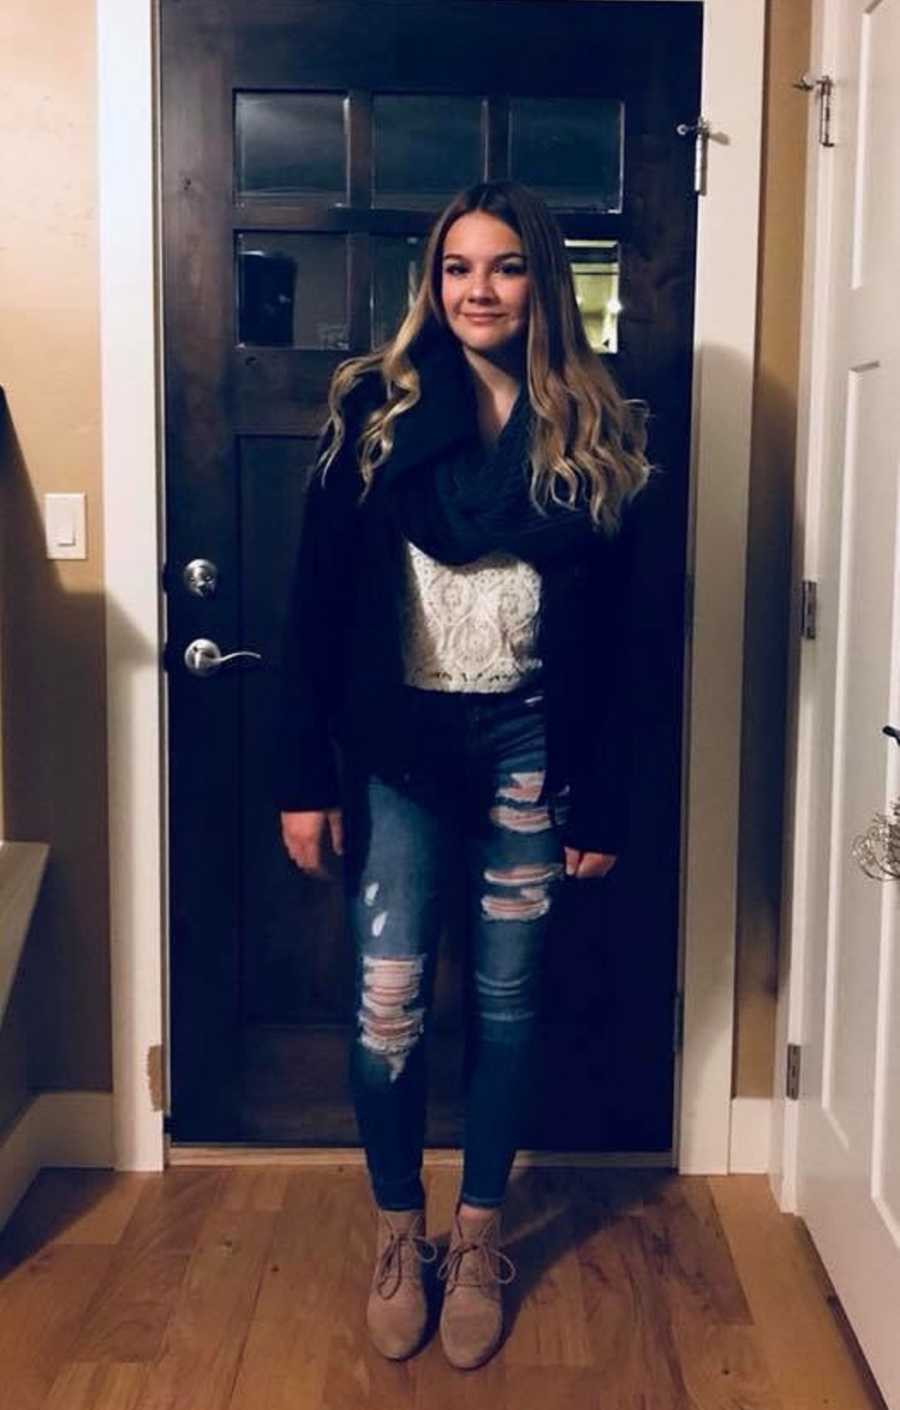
678, 1023
808, 609
792, 1079
823, 88
700, 131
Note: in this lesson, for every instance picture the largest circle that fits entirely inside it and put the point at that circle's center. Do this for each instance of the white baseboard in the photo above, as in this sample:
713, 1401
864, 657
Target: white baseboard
55, 1129
750, 1146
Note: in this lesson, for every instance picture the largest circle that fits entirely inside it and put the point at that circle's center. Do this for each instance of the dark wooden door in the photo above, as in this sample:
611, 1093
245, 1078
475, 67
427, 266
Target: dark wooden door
306, 148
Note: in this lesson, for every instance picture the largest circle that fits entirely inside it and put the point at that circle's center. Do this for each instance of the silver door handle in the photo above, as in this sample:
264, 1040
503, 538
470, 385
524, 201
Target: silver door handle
203, 657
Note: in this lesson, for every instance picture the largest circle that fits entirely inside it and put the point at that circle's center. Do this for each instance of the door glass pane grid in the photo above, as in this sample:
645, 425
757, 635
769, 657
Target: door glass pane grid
292, 290
569, 150
595, 268
425, 148
291, 146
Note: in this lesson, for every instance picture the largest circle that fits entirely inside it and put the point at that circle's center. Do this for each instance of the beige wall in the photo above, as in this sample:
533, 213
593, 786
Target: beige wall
54, 782
54, 785
769, 546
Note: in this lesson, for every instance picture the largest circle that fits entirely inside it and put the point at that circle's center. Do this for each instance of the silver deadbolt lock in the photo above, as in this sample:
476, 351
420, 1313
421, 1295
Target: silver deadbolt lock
201, 577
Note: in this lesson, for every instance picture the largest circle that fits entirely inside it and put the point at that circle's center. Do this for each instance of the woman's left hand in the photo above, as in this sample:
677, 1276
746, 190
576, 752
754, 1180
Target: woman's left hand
584, 865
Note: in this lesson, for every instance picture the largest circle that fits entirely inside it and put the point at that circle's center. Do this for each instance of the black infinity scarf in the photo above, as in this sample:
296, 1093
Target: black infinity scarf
469, 501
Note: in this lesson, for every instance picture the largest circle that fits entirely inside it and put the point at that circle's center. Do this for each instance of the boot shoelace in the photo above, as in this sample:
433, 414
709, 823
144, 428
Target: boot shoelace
489, 1263
389, 1272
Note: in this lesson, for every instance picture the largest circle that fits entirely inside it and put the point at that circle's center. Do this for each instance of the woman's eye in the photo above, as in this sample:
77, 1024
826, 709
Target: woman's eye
512, 269
454, 269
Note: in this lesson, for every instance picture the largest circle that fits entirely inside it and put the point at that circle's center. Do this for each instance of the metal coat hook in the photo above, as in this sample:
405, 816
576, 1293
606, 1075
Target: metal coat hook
823, 88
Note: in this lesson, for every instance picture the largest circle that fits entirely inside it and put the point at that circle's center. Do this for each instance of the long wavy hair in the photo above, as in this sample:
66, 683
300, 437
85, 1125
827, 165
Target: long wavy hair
586, 437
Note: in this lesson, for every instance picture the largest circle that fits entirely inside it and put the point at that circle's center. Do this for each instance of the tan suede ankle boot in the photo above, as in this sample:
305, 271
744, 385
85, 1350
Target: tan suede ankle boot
474, 1269
397, 1310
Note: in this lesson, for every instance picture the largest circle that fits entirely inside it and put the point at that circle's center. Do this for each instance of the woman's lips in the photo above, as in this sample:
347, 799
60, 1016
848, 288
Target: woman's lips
482, 317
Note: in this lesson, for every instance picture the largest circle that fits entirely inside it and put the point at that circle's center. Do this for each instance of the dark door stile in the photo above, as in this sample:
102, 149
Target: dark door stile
260, 974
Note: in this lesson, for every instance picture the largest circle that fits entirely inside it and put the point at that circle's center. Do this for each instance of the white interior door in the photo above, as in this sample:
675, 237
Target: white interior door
848, 1171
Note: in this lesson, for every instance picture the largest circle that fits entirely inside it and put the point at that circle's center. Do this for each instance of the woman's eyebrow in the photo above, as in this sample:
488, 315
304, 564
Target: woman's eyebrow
506, 254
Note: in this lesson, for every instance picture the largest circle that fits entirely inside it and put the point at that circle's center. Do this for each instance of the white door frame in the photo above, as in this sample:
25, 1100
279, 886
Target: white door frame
133, 474
811, 426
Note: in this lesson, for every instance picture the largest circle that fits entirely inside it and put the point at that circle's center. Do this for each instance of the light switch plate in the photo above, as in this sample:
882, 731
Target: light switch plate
64, 520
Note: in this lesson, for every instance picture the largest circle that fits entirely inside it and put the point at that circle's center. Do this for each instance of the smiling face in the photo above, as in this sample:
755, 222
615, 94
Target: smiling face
484, 284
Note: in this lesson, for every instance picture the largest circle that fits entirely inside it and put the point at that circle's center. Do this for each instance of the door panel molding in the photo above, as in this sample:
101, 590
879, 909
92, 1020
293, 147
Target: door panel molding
132, 449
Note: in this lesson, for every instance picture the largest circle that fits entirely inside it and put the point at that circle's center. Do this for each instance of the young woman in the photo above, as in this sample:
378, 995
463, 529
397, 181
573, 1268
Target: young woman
456, 625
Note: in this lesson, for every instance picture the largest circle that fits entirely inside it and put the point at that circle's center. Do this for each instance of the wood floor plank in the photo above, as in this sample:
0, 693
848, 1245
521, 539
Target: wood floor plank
688, 1259
633, 1348
803, 1341
287, 1351
172, 1210
71, 1207
127, 1317
86, 1385
546, 1303
42, 1304
689, 1244
255, 1187
561, 1388
211, 1314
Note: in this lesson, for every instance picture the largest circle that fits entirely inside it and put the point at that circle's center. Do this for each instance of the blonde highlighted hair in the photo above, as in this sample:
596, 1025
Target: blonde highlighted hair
586, 437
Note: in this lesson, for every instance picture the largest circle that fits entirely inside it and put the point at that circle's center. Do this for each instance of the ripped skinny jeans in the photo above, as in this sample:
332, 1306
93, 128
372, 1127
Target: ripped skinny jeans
467, 814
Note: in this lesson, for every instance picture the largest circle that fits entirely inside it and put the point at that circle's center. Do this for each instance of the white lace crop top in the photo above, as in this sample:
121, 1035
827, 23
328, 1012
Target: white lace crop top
470, 626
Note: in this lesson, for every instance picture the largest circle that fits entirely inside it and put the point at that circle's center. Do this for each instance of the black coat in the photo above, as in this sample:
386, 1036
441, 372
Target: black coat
342, 673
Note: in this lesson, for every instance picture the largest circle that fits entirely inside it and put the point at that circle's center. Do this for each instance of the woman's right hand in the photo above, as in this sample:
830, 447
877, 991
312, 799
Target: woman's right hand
305, 834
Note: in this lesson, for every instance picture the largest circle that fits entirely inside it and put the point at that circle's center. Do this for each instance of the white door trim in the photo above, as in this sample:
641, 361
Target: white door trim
133, 476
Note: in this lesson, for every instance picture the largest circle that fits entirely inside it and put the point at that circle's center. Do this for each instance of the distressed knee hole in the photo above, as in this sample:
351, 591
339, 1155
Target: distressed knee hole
523, 787
531, 882
389, 1025
521, 819
370, 892
527, 874
530, 904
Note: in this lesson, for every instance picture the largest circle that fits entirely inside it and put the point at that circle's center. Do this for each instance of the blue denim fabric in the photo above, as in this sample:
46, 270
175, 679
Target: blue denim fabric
467, 814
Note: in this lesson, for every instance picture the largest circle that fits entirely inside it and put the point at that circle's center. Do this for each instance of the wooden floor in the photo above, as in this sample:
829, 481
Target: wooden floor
244, 1287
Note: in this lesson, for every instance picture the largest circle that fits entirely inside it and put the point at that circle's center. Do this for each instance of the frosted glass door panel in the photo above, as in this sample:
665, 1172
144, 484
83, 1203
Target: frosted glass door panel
291, 146
569, 150
425, 148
